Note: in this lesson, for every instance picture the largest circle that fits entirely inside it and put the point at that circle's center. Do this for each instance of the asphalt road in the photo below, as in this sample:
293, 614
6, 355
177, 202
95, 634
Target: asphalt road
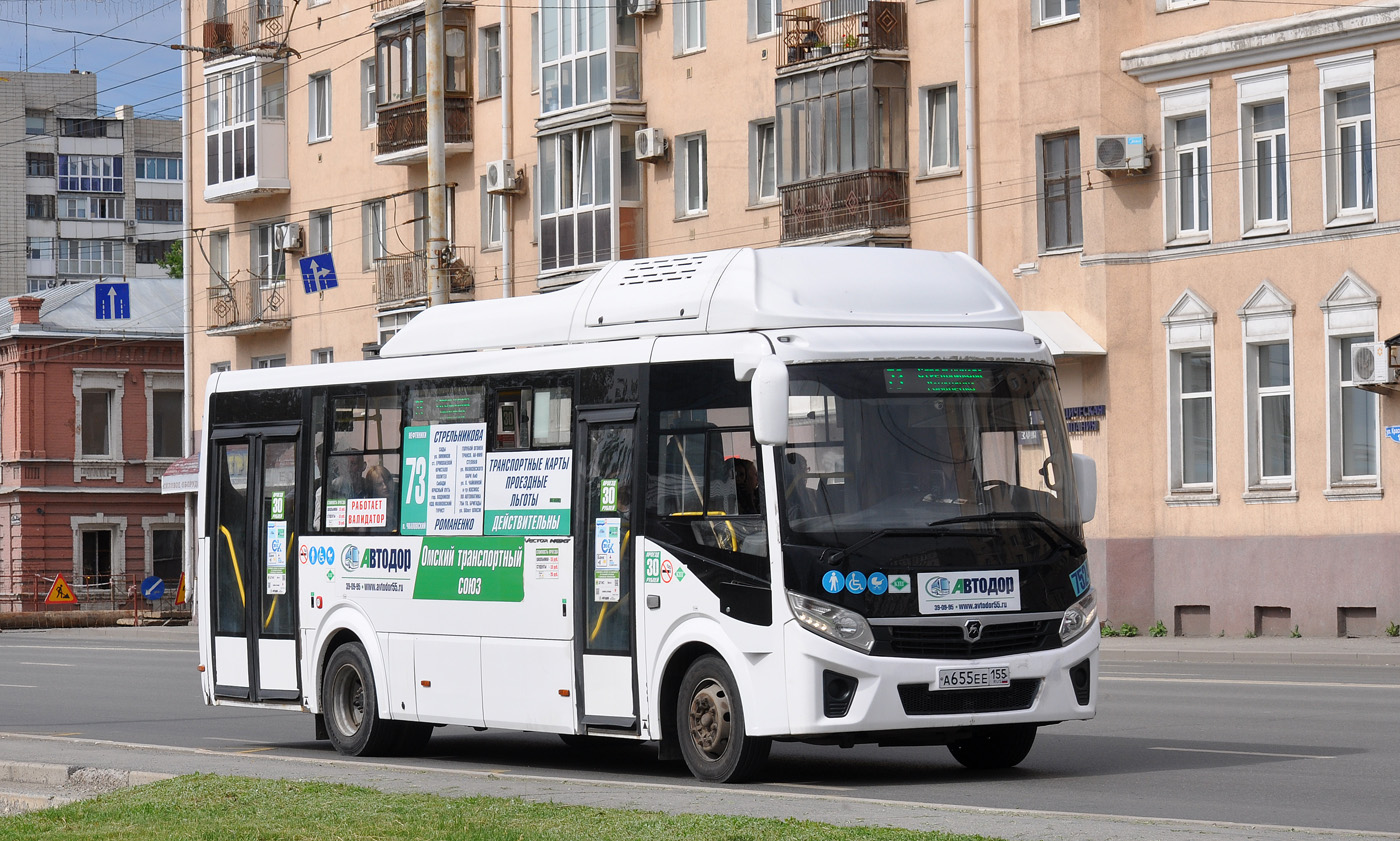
1246, 749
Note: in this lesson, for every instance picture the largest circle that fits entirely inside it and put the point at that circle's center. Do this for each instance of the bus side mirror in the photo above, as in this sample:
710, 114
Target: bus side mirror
1086, 480
769, 388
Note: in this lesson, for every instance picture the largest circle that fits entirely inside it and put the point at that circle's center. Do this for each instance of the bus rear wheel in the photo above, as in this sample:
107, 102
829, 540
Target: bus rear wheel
994, 748
351, 705
710, 725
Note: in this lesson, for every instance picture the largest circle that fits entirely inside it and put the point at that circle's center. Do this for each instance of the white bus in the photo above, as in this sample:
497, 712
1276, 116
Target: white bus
708, 501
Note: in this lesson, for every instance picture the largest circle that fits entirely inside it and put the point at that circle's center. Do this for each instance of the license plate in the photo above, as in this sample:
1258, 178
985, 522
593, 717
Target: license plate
985, 677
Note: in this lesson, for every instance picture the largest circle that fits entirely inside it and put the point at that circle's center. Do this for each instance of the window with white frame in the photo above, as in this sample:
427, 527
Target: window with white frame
1349, 153
1054, 11
322, 356
90, 173
220, 367
159, 168
369, 94
374, 233
1267, 325
1351, 316
420, 217
318, 89
230, 126
493, 206
278, 361
763, 17
1172, 5
489, 75
1186, 130
1264, 151
1061, 216
268, 260
938, 128
589, 194
319, 229
763, 162
218, 260
693, 192
90, 256
165, 400
588, 53
165, 542
391, 323
1191, 398
97, 395
689, 16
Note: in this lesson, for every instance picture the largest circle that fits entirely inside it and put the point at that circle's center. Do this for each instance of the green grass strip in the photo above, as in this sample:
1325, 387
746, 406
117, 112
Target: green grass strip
218, 808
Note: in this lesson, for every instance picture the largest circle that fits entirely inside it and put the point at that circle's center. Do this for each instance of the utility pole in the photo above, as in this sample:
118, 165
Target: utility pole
437, 246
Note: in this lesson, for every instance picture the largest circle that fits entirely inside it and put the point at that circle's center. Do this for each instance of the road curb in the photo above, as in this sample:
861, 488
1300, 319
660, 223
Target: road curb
1235, 655
27, 786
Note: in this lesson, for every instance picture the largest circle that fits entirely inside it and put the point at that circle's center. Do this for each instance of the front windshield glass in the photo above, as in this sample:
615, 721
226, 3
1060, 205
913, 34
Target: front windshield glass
874, 447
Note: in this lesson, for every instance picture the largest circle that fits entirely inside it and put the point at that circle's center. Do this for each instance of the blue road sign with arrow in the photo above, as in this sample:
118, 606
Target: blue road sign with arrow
318, 273
113, 300
152, 588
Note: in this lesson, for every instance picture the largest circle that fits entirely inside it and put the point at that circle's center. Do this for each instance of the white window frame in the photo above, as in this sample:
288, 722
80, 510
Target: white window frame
374, 232
275, 361
493, 208
1335, 75
689, 17
269, 262
1050, 12
692, 175
112, 381
318, 232
160, 381
764, 23
369, 94
1258, 89
934, 143
114, 526
763, 162
1267, 319
322, 356
1190, 325
489, 54
218, 260
1182, 102
151, 525
318, 118
1350, 311
1173, 5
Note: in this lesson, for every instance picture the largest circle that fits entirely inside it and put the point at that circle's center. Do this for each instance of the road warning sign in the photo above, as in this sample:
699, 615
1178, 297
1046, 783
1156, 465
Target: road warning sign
180, 591
60, 592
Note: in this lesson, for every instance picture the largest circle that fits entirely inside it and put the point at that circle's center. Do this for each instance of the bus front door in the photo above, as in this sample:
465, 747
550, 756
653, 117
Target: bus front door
604, 579
252, 565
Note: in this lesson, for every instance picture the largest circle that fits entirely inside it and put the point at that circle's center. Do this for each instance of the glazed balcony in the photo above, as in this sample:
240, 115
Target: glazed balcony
249, 305
841, 28
260, 26
403, 129
855, 202
402, 280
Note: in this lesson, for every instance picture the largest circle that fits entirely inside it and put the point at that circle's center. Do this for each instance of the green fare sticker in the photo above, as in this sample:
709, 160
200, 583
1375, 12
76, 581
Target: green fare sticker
481, 569
607, 495
653, 567
279, 505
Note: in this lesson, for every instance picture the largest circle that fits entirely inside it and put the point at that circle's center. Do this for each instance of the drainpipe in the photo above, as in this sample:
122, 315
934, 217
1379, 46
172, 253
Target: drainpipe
508, 208
436, 245
970, 121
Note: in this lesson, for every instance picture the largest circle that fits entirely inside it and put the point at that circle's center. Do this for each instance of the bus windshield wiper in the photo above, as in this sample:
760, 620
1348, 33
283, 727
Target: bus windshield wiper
1062, 538
835, 557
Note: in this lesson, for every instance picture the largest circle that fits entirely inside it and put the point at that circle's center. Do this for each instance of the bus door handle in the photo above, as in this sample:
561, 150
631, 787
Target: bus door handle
653, 602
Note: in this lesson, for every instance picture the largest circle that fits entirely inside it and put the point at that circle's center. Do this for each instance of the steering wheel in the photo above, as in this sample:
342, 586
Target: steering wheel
995, 484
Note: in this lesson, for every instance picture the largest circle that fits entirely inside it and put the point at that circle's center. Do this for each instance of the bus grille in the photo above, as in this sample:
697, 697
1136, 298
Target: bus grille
946, 641
918, 699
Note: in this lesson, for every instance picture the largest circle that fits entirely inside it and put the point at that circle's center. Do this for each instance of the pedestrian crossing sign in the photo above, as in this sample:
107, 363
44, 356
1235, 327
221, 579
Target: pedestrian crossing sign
60, 592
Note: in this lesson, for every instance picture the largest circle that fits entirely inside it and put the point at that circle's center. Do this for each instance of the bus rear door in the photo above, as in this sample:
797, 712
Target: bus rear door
252, 564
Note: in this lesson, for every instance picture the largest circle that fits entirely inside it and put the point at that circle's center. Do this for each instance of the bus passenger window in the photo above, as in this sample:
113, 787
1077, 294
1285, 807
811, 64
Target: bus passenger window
362, 467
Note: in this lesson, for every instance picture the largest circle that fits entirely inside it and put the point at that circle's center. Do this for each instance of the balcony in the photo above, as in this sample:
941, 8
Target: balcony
259, 27
403, 129
402, 280
855, 202
837, 28
249, 305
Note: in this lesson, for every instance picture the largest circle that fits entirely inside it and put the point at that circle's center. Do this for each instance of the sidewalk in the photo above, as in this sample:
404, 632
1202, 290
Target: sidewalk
1320, 651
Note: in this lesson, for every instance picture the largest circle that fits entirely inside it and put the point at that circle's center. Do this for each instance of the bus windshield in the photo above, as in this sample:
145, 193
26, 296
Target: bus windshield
909, 448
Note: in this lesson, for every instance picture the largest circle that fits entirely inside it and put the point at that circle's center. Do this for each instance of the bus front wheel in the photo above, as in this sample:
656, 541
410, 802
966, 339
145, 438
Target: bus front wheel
710, 725
351, 705
994, 748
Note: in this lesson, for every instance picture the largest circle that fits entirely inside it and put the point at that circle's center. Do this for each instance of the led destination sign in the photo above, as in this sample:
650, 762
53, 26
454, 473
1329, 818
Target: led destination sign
936, 380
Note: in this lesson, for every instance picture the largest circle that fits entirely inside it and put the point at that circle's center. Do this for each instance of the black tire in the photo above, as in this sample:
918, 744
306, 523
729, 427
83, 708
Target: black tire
351, 705
994, 748
710, 725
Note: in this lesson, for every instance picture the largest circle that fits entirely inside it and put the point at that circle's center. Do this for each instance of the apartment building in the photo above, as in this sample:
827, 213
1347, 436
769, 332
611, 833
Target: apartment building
1189, 198
89, 195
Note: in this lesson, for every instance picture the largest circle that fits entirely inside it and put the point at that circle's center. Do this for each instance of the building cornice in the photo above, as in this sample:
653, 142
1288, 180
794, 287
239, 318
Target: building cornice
1264, 42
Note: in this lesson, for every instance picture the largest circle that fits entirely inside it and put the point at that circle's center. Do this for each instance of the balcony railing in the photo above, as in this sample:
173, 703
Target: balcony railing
249, 305
404, 126
836, 27
403, 279
260, 25
856, 201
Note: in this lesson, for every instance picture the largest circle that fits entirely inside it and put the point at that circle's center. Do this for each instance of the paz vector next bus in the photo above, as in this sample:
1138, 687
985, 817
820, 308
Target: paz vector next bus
709, 501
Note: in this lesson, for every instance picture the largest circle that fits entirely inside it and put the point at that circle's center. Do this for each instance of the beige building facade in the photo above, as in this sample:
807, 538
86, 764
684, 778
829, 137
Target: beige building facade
1195, 201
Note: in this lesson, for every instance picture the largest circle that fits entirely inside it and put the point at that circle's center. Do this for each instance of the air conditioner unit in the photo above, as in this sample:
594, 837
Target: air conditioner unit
1371, 364
131, 224
651, 144
288, 235
640, 8
501, 176
1120, 153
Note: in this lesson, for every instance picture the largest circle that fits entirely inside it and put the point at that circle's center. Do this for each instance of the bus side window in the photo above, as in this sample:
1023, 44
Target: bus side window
363, 464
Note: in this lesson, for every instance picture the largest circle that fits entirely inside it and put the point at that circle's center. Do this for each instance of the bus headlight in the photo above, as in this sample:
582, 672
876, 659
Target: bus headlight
835, 623
1080, 617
